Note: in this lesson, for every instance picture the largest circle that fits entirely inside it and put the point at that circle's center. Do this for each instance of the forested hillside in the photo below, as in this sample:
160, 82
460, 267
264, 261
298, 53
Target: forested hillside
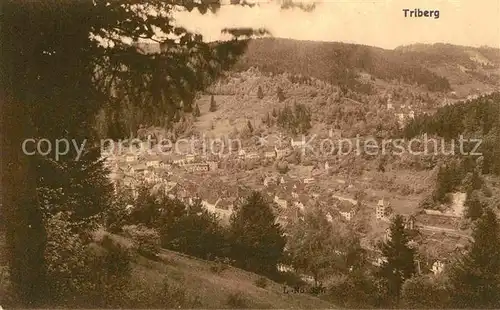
478, 119
333, 62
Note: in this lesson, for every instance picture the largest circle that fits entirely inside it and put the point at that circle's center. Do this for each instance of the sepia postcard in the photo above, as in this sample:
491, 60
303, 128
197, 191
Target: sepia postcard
249, 154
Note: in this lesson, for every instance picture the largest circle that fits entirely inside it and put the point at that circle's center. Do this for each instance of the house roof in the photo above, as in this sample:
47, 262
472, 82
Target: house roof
304, 199
345, 206
299, 186
141, 166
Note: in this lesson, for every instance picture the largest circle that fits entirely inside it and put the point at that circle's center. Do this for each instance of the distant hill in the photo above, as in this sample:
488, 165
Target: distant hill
440, 53
334, 61
469, 70
419, 77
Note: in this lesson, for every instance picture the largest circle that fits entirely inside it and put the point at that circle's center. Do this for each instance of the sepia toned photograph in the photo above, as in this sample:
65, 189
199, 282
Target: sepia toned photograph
249, 154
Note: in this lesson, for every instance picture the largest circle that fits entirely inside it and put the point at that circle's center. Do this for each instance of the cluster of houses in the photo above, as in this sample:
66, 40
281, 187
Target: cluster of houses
401, 111
296, 194
290, 195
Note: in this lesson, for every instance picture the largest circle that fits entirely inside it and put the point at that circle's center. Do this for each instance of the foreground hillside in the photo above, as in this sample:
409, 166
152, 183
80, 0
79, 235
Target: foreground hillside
208, 285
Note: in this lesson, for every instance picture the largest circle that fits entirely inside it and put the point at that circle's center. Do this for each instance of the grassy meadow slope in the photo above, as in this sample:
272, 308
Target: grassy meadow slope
206, 288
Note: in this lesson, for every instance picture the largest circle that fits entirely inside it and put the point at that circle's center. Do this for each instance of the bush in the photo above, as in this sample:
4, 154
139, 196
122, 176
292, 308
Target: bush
282, 167
260, 93
116, 217
146, 240
65, 273
7, 296
261, 282
220, 265
289, 278
358, 290
236, 301
425, 292
81, 274
487, 191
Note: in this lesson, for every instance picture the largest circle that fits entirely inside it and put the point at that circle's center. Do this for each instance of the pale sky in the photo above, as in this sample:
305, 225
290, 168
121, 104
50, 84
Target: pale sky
378, 22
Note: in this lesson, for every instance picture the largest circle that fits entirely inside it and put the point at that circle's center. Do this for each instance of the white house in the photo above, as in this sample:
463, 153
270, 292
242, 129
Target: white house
129, 208
437, 267
387, 235
379, 261
213, 165
297, 143
300, 205
153, 163
285, 268
348, 215
281, 153
409, 222
336, 134
196, 167
327, 166
270, 180
401, 117
280, 202
380, 210
165, 166
329, 217
225, 214
347, 210
252, 155
270, 154
190, 158
178, 160
152, 177
308, 180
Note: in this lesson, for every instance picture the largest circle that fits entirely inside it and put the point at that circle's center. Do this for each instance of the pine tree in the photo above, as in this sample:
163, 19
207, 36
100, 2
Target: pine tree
268, 121
249, 125
475, 277
399, 263
476, 181
302, 119
64, 70
449, 176
191, 229
321, 248
260, 93
187, 103
275, 113
213, 104
474, 206
280, 94
258, 242
197, 112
